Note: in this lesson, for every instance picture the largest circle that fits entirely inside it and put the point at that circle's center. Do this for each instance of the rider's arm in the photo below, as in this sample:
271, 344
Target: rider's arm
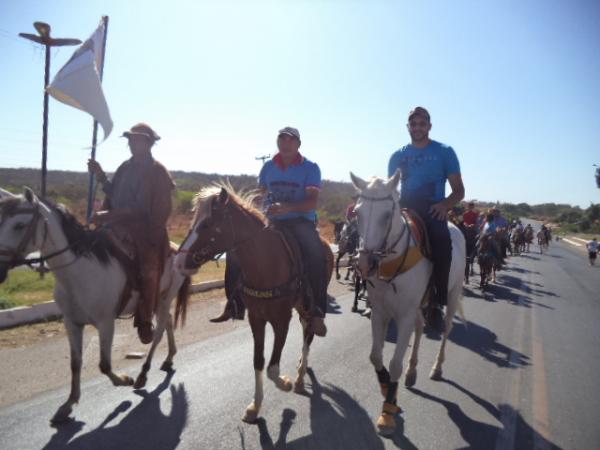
308, 204
439, 210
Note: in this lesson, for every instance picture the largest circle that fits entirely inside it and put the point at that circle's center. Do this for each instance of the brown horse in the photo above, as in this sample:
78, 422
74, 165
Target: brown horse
488, 262
226, 221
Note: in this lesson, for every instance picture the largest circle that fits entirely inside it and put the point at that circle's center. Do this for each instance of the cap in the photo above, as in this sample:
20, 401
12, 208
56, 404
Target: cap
419, 111
290, 131
142, 129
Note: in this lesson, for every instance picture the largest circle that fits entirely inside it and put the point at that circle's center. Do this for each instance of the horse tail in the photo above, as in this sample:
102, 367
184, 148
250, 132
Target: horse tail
183, 296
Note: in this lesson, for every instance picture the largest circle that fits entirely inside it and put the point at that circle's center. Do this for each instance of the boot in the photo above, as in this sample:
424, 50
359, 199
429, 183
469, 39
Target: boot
434, 317
225, 315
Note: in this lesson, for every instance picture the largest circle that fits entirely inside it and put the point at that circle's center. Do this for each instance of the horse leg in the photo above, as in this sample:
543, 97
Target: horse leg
410, 378
162, 322
280, 329
337, 266
357, 289
303, 362
106, 332
258, 332
348, 268
454, 297
167, 364
379, 325
75, 333
386, 423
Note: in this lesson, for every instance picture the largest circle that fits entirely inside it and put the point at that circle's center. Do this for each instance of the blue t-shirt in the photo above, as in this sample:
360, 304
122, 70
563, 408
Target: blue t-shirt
289, 185
424, 170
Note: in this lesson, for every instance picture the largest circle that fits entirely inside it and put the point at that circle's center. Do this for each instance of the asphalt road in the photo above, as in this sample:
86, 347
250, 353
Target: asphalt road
522, 373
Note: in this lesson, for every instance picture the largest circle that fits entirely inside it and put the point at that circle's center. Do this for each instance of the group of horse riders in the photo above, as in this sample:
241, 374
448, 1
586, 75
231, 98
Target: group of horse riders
138, 203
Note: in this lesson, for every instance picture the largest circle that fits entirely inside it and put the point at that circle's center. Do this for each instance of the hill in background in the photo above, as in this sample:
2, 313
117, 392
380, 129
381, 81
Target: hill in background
70, 188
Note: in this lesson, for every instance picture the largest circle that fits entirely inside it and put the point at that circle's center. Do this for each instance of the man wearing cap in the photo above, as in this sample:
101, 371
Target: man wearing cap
290, 186
426, 165
137, 205
470, 216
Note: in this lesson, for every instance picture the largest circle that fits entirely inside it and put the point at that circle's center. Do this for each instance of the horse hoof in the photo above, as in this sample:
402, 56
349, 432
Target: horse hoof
285, 384
386, 424
410, 379
127, 380
61, 417
436, 374
299, 388
140, 382
167, 366
251, 414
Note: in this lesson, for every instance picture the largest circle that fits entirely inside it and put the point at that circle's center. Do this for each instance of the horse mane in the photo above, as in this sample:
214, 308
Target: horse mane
82, 241
244, 199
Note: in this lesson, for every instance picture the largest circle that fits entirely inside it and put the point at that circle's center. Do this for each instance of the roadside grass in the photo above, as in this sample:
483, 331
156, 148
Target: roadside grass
25, 288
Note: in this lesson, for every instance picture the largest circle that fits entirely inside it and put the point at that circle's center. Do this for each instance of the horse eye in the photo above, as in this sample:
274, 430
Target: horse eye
19, 226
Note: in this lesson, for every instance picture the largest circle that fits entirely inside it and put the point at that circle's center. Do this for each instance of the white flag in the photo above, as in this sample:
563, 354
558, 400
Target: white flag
78, 83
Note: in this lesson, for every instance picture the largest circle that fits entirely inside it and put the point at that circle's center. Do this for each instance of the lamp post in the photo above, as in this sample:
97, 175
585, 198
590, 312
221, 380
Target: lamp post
44, 38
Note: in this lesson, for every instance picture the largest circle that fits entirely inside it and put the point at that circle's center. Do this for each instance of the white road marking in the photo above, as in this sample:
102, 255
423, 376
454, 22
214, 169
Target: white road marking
572, 243
580, 240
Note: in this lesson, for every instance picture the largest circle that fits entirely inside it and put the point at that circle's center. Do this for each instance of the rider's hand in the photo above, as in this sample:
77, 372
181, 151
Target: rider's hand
99, 217
439, 211
95, 168
277, 209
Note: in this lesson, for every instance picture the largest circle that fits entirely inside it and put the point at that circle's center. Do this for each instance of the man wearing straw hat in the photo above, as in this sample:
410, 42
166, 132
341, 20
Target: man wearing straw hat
138, 204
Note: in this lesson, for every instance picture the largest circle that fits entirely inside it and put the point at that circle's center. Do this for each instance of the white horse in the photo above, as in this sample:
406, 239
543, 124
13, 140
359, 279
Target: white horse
385, 240
89, 282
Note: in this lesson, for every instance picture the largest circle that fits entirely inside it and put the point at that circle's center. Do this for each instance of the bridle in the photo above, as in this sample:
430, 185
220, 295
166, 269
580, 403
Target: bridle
14, 255
384, 250
206, 254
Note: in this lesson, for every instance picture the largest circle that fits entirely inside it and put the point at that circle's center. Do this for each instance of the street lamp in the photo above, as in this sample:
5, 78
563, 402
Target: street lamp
44, 38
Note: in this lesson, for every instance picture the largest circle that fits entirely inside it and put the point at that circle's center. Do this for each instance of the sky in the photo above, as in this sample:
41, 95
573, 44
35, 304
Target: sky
511, 85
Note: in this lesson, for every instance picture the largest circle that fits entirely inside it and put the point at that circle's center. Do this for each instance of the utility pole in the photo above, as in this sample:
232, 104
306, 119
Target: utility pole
262, 158
44, 38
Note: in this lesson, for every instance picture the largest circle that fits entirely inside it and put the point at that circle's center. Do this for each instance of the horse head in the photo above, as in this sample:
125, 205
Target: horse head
19, 231
216, 226
378, 218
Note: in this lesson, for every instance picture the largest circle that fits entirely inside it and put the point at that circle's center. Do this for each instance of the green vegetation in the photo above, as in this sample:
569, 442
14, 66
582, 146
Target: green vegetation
24, 287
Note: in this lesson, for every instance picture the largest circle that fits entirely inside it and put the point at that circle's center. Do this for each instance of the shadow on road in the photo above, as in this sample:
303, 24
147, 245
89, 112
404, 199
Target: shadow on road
333, 307
144, 427
518, 434
484, 342
337, 420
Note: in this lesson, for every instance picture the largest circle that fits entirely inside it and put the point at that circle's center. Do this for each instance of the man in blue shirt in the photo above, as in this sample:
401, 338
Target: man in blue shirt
426, 165
290, 184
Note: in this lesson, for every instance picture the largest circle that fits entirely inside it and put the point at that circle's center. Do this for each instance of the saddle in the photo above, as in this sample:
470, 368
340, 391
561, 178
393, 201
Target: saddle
293, 285
123, 249
389, 268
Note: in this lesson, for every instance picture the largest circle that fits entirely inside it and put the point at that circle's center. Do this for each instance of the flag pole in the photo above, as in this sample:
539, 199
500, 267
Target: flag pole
91, 191
43, 37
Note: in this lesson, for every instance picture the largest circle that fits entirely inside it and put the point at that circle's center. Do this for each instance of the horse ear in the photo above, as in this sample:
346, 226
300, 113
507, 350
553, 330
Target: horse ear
29, 195
358, 182
394, 180
223, 196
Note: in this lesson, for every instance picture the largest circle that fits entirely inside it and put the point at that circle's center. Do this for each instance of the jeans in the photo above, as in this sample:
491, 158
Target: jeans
313, 259
441, 246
